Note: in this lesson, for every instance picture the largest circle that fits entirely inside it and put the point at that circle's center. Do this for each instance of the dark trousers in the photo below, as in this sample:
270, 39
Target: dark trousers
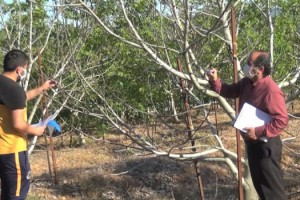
264, 162
15, 176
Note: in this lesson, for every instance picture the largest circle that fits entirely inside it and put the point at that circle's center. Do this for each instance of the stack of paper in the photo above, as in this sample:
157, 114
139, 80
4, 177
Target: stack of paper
251, 117
44, 122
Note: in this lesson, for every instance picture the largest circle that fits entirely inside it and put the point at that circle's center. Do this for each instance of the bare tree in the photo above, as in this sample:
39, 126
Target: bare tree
179, 35
184, 30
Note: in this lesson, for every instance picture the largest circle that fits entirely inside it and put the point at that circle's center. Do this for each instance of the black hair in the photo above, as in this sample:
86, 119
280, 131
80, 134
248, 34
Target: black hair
263, 60
13, 59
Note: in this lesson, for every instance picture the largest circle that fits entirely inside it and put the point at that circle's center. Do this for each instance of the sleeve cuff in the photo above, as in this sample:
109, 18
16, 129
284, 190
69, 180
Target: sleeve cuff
215, 85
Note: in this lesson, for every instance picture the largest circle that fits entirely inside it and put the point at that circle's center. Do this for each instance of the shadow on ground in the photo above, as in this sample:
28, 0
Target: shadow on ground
143, 178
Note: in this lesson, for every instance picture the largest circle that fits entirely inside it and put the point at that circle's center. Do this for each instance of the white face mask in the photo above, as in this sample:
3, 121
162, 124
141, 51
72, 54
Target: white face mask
22, 76
249, 71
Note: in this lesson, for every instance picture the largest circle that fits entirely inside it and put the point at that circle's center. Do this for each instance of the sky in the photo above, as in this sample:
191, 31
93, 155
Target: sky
8, 1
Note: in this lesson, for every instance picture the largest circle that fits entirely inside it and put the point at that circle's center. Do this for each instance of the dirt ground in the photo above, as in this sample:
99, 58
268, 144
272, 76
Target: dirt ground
99, 170
96, 172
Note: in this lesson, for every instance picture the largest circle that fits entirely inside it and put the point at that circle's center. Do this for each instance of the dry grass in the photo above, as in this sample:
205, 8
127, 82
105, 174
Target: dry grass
100, 171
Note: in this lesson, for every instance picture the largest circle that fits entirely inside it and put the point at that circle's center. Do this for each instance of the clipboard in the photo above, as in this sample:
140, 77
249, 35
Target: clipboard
251, 116
44, 122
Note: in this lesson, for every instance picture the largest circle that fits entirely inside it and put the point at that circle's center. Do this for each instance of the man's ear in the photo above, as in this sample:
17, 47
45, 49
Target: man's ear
262, 69
19, 70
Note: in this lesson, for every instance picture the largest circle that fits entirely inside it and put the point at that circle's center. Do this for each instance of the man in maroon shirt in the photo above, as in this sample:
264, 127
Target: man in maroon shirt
259, 90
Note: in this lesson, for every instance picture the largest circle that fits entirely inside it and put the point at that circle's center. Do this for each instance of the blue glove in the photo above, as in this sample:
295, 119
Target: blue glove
55, 125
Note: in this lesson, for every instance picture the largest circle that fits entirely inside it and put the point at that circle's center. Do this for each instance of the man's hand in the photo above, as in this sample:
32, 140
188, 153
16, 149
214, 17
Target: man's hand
250, 135
49, 84
39, 130
212, 74
30, 94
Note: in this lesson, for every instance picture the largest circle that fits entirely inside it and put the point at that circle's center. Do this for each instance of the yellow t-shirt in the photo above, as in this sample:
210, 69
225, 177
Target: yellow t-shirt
11, 140
12, 97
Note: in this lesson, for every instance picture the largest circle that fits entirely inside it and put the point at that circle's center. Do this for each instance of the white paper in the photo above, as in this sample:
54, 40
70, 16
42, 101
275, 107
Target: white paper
44, 122
251, 117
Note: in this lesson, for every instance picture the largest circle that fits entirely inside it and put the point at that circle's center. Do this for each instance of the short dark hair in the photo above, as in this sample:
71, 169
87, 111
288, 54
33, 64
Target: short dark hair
13, 59
263, 60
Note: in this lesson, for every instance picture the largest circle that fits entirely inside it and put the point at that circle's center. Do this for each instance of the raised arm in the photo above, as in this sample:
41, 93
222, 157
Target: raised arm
30, 94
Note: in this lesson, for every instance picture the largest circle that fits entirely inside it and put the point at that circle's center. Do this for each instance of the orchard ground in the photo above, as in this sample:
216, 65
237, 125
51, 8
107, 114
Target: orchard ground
99, 170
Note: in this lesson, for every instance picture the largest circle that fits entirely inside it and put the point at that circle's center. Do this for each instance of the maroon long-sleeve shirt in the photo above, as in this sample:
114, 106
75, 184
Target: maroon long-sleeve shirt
264, 94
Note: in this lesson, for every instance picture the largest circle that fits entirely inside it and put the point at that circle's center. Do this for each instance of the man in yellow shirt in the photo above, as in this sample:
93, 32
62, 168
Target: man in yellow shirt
14, 163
